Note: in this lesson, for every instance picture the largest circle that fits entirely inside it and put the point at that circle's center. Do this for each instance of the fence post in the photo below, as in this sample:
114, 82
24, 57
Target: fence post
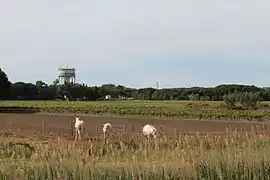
174, 132
71, 127
9, 125
97, 127
21, 126
125, 128
43, 126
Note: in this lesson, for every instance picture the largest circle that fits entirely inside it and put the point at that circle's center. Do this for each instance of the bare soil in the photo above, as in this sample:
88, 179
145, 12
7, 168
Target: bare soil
27, 125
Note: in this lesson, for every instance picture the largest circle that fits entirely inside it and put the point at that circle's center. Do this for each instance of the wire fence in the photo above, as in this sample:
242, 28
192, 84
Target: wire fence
43, 127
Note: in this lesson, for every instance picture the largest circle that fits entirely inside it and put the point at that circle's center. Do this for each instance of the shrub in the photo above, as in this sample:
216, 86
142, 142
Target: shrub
248, 100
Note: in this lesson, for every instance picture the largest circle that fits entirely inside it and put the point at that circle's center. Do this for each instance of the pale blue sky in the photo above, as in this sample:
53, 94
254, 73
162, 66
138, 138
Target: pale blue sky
136, 43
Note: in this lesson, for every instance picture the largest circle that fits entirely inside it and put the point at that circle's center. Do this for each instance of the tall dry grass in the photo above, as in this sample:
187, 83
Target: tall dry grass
237, 155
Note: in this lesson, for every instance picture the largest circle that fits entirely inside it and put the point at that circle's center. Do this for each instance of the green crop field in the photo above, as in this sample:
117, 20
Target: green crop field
169, 105
164, 109
172, 103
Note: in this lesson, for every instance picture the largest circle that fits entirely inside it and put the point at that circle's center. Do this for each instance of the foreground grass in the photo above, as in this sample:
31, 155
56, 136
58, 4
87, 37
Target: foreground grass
234, 156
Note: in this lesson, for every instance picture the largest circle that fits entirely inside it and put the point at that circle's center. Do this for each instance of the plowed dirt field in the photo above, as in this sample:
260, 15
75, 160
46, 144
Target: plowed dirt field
27, 125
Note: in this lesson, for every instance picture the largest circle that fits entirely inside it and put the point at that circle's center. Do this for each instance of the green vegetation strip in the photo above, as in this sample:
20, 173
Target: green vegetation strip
144, 108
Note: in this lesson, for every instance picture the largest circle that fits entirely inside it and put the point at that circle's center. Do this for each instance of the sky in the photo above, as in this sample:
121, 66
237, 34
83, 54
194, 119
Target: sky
137, 43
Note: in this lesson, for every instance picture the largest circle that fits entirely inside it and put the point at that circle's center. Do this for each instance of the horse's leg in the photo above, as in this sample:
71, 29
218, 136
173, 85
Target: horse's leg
76, 133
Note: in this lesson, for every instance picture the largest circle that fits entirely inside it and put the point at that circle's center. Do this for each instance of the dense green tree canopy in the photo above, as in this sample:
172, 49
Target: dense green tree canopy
42, 91
4, 85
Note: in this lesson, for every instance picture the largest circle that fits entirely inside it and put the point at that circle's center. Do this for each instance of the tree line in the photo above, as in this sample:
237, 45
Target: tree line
42, 91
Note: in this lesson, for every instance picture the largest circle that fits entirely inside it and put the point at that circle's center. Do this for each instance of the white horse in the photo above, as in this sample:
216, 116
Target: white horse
78, 128
149, 130
106, 128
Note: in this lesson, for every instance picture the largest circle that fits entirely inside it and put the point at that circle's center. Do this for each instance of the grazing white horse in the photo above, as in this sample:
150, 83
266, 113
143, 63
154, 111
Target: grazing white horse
78, 128
149, 130
106, 128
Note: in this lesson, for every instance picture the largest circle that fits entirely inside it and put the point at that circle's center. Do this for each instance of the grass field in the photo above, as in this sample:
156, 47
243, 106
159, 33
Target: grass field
233, 156
171, 104
40, 146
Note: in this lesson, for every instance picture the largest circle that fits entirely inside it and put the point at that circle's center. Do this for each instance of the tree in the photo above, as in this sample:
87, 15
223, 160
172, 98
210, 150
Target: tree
56, 82
230, 100
249, 99
4, 85
41, 84
246, 99
247, 96
24, 91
